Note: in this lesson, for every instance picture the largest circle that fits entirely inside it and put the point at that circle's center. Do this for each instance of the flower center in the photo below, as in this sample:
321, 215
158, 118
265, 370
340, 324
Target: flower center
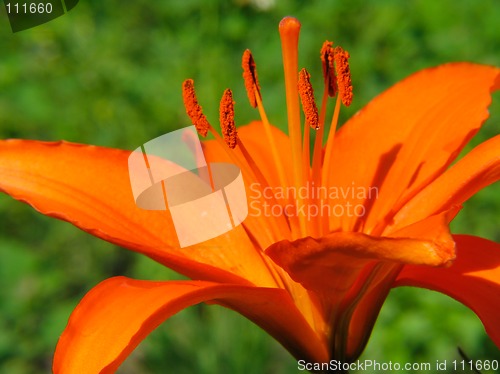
306, 173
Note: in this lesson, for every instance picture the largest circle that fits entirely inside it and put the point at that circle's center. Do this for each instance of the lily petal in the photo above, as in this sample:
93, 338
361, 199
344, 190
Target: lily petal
332, 264
407, 136
476, 170
473, 279
115, 316
344, 265
89, 187
375, 282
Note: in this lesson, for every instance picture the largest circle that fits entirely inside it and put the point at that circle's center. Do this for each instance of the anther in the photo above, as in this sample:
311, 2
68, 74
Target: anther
307, 97
327, 60
250, 77
226, 117
193, 109
343, 75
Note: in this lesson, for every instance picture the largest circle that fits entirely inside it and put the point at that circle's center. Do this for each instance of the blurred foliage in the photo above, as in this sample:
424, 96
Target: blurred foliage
109, 73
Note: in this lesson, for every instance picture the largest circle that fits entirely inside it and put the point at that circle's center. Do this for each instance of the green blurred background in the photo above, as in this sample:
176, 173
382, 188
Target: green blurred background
110, 73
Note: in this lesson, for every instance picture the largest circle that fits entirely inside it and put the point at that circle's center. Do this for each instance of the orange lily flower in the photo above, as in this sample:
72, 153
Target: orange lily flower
325, 239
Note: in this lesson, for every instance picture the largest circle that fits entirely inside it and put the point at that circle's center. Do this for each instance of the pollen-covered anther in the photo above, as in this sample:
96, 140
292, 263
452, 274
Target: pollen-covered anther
343, 75
307, 97
226, 117
328, 63
250, 77
193, 109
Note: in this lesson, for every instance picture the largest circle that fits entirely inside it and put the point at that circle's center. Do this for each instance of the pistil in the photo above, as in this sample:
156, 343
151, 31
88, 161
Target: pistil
289, 29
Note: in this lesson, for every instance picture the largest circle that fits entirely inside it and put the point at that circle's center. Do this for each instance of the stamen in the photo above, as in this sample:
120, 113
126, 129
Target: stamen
193, 109
343, 75
307, 96
327, 59
226, 117
252, 173
255, 98
345, 95
245, 160
247, 165
312, 121
250, 77
330, 89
